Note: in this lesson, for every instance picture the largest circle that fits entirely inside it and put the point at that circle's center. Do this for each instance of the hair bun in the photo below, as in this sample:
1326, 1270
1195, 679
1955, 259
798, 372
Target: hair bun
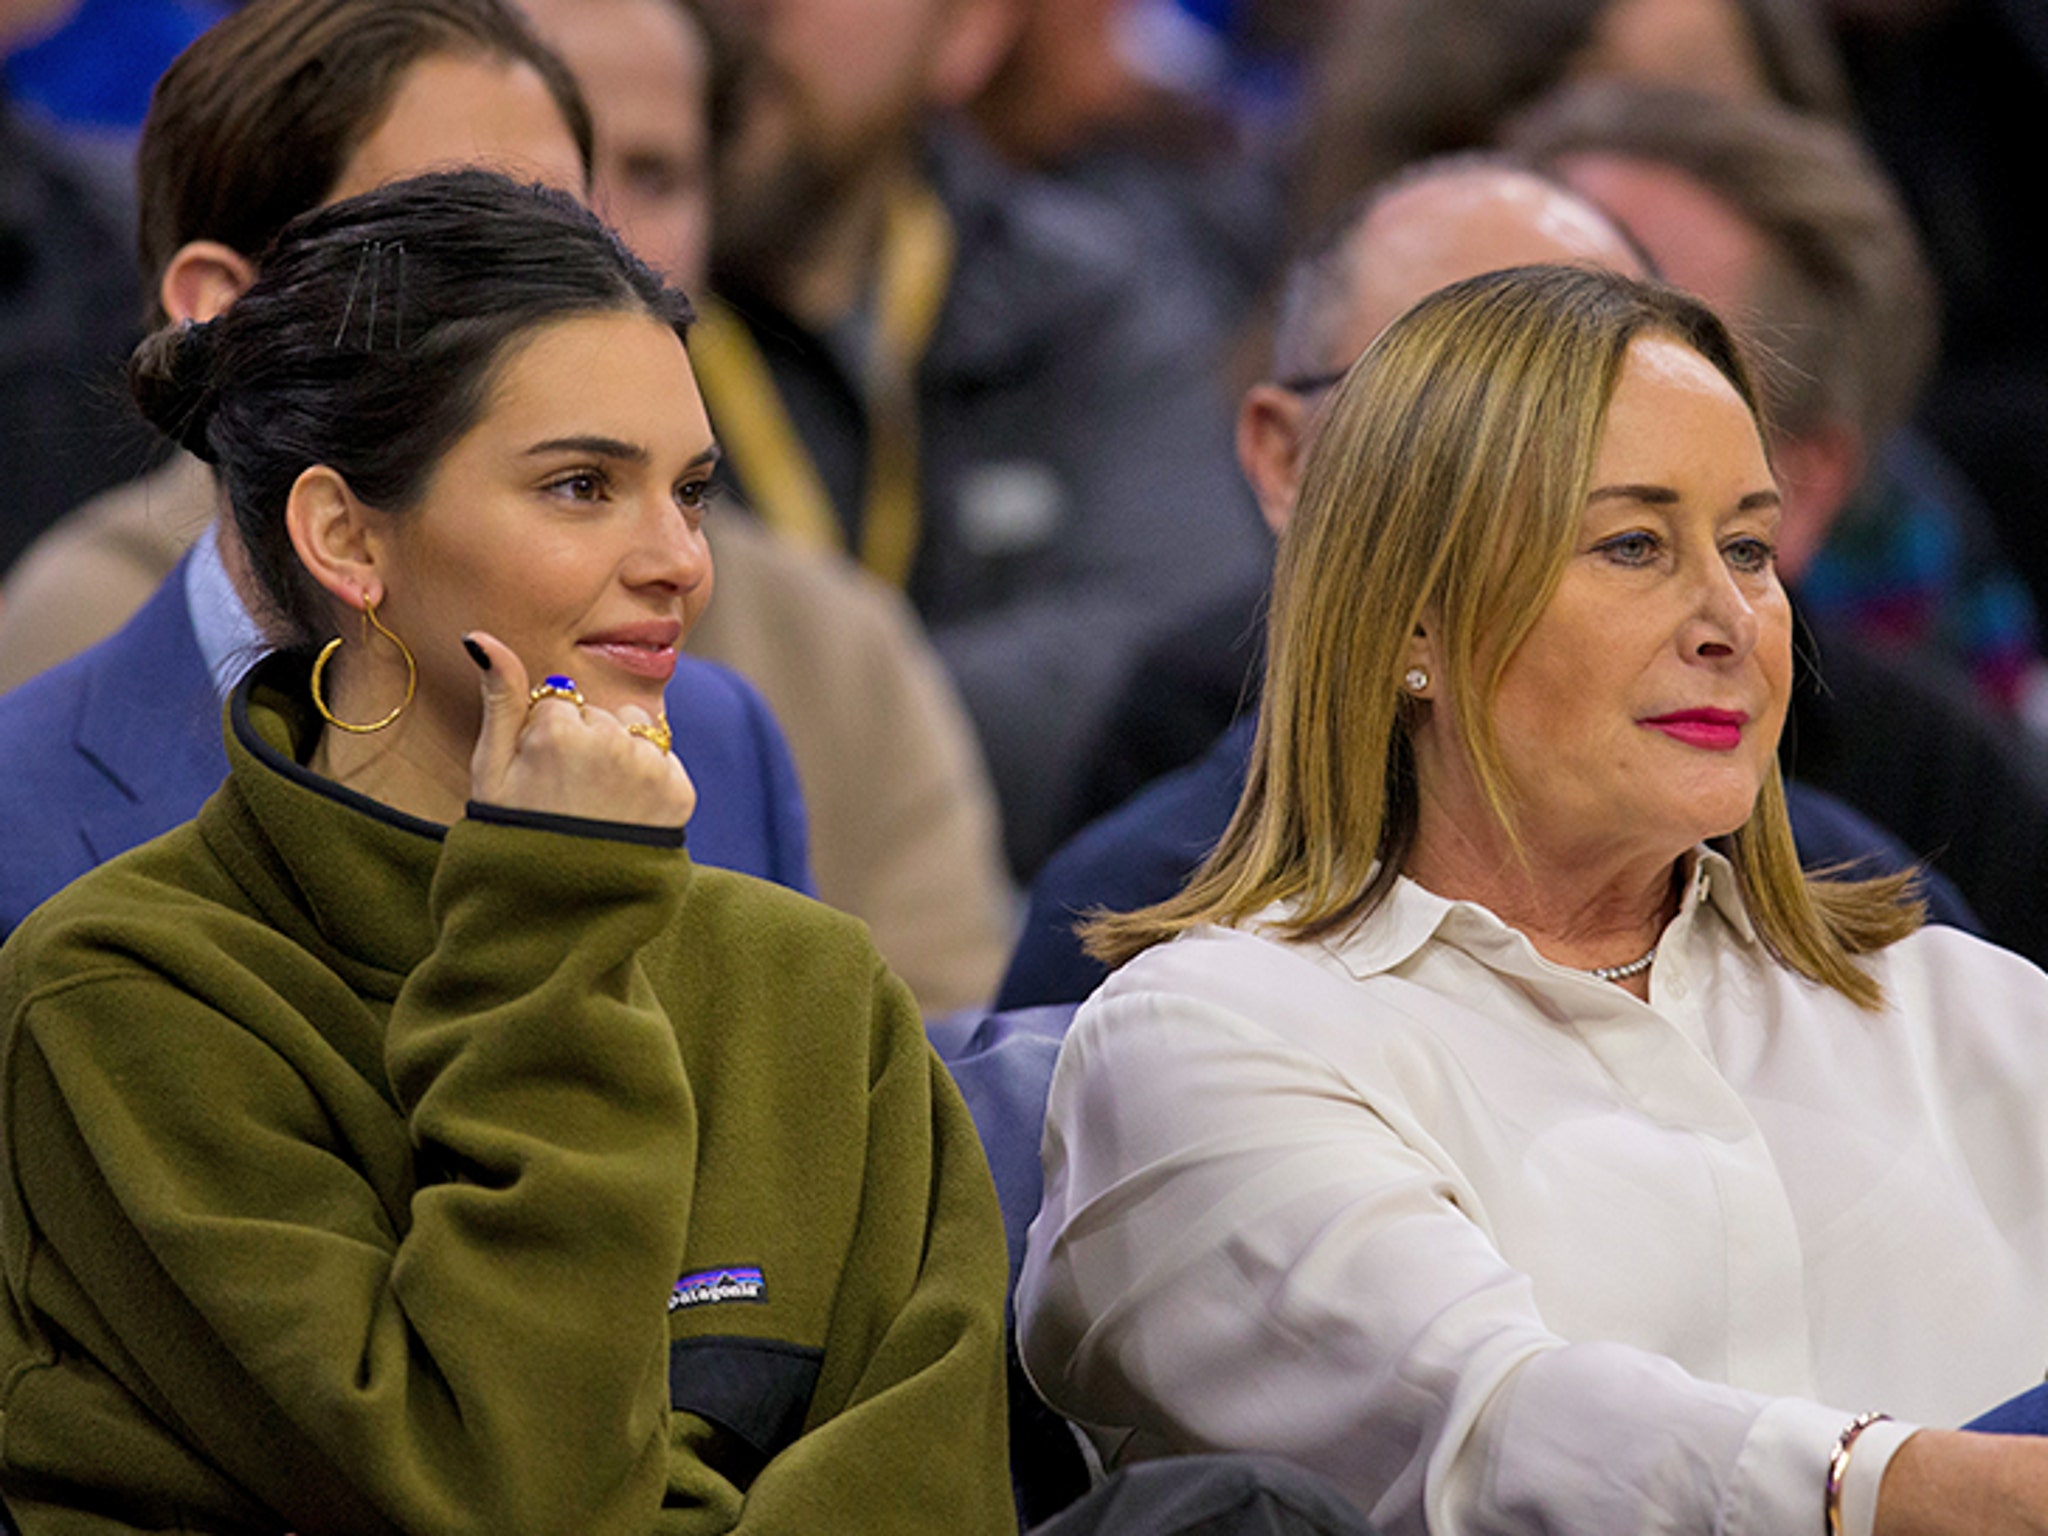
171, 377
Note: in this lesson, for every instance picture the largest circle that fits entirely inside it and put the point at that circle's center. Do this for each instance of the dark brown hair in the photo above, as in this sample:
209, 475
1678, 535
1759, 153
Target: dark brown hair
369, 343
254, 123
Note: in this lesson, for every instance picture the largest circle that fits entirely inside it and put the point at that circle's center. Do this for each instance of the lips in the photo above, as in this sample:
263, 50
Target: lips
646, 649
1712, 730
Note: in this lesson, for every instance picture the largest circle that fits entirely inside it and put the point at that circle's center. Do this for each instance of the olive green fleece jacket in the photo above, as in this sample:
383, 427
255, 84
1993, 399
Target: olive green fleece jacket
360, 1175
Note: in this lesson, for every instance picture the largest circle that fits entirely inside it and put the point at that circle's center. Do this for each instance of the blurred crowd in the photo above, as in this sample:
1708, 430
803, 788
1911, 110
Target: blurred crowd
1003, 301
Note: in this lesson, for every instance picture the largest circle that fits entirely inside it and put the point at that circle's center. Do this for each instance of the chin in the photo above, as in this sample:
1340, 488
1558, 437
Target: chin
1723, 826
1704, 820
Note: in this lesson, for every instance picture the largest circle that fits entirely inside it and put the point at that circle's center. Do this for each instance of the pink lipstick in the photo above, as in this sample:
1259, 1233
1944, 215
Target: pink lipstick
646, 649
1712, 730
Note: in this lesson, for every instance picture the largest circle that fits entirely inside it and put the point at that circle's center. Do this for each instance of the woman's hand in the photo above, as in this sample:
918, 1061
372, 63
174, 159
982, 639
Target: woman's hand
562, 760
1949, 1480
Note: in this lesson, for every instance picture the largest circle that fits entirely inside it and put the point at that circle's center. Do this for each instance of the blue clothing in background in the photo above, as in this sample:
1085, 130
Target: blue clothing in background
1912, 565
97, 70
2026, 1414
123, 742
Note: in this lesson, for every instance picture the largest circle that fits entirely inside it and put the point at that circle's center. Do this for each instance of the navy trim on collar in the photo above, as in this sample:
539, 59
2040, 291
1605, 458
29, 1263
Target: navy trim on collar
577, 826
277, 674
284, 675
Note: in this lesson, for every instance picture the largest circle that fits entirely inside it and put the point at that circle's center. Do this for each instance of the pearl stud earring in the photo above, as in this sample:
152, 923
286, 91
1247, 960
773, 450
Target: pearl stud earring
1416, 679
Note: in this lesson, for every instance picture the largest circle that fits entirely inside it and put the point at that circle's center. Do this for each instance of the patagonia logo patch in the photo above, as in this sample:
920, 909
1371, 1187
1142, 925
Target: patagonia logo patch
738, 1282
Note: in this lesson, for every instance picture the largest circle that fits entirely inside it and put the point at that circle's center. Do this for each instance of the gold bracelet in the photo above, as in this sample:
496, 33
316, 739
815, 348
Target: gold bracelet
1838, 1464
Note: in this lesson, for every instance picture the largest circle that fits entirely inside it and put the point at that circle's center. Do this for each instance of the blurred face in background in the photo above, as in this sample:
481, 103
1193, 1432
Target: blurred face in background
1700, 241
644, 66
28, 21
457, 109
1420, 238
830, 92
446, 110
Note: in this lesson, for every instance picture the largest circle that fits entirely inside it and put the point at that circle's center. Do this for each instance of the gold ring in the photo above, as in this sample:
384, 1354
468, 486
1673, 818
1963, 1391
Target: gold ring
555, 686
658, 733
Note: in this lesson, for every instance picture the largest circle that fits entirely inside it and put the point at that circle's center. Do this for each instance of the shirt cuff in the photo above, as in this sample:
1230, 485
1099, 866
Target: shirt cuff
1874, 1450
1781, 1476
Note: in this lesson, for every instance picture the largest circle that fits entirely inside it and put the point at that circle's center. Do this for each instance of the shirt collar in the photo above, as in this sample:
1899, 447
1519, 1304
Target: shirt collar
1412, 916
1713, 880
229, 639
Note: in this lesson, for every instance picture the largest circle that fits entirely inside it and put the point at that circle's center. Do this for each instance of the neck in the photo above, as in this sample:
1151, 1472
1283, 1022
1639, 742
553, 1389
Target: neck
1579, 908
418, 764
234, 559
844, 252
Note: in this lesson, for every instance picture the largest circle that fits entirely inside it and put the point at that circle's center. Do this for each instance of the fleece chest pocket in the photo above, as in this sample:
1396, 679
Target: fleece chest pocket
757, 1390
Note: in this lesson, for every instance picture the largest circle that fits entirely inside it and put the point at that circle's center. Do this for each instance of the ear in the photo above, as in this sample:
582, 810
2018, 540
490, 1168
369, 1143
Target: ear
1422, 657
203, 278
1818, 472
973, 40
1270, 423
333, 533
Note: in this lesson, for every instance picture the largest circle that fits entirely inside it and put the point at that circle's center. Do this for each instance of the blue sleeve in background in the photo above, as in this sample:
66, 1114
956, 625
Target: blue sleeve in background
95, 73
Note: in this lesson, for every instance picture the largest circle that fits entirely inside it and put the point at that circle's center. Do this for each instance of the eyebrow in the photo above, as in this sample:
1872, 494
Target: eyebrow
613, 448
1664, 496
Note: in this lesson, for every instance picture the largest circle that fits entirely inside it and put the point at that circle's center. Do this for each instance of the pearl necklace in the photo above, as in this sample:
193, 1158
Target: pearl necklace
1623, 972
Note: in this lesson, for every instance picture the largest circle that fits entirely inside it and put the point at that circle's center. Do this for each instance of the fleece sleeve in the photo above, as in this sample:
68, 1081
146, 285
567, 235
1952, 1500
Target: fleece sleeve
483, 1351
907, 1431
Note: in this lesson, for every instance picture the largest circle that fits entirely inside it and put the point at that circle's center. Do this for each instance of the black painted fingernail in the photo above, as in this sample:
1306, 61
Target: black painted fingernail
476, 654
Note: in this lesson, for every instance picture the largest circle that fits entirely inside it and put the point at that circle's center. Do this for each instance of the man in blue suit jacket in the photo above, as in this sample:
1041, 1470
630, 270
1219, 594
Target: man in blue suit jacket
124, 741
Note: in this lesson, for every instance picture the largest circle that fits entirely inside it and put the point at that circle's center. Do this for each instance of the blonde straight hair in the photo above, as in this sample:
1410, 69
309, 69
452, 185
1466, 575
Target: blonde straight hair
1448, 483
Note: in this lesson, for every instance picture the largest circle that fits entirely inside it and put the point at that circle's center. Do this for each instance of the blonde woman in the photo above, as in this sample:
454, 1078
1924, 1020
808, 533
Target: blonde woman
1500, 1122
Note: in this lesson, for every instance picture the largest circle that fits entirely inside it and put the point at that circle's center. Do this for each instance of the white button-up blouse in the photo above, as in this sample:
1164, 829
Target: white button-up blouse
1501, 1248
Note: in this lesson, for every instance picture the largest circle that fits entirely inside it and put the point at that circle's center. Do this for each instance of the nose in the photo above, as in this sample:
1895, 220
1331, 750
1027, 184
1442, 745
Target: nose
670, 553
1723, 626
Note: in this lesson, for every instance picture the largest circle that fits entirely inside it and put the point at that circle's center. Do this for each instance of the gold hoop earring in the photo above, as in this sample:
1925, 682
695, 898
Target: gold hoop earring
412, 675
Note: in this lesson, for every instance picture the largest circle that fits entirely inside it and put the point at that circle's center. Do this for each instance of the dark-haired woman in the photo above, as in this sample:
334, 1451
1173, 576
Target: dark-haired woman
417, 1141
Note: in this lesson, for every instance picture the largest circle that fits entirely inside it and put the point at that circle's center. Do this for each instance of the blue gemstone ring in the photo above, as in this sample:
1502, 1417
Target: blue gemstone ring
555, 686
